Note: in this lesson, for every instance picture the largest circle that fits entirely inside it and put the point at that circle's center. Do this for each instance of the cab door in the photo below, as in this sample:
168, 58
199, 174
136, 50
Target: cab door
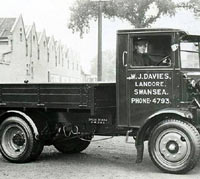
148, 88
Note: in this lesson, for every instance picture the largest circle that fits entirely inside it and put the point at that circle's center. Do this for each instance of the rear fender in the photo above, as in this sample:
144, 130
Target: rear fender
152, 120
25, 117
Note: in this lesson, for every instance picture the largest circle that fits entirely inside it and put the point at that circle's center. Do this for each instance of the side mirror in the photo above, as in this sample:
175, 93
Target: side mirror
174, 47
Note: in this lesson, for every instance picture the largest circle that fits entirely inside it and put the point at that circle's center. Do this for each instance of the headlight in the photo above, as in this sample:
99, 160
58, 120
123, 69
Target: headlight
193, 83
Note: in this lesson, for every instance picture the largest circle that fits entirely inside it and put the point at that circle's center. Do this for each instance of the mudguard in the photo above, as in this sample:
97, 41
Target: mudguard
152, 120
27, 118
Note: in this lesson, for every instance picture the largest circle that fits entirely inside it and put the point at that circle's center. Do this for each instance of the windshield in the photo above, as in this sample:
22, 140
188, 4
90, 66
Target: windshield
189, 54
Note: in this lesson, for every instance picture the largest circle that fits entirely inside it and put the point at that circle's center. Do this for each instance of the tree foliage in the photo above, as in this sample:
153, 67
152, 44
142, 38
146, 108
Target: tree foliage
193, 5
133, 11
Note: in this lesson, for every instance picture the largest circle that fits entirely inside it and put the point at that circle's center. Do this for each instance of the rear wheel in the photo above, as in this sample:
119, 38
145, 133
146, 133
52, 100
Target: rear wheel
17, 142
75, 145
174, 146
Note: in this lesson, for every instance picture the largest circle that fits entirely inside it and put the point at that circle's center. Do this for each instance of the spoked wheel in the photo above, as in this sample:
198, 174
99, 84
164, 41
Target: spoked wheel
17, 142
75, 145
174, 146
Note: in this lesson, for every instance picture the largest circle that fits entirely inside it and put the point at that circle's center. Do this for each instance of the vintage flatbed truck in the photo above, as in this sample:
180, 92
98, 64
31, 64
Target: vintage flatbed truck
158, 103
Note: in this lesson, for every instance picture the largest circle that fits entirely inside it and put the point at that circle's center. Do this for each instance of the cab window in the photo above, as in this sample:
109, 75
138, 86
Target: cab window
150, 51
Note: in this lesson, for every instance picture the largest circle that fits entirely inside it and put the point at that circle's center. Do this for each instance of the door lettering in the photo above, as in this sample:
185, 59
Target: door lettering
150, 88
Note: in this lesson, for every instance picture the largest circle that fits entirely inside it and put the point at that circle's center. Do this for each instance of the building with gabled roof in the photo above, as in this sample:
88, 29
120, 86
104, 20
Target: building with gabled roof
12, 49
32, 54
41, 63
28, 55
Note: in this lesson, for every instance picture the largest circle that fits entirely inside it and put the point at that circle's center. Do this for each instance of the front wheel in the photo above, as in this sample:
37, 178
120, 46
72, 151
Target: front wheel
174, 146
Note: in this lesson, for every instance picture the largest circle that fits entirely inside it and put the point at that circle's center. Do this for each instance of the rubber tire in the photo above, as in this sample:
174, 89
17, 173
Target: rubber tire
71, 146
33, 148
194, 139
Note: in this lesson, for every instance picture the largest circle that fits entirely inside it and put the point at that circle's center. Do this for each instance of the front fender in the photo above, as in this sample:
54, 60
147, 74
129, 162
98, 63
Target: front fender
185, 113
152, 120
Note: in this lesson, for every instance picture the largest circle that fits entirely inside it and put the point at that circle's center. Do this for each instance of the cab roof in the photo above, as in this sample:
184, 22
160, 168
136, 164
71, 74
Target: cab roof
151, 30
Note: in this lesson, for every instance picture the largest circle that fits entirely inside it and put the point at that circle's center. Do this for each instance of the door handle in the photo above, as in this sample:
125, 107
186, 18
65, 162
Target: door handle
123, 58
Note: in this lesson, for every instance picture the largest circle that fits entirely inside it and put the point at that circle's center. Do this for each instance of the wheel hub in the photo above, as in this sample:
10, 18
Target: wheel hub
18, 139
173, 147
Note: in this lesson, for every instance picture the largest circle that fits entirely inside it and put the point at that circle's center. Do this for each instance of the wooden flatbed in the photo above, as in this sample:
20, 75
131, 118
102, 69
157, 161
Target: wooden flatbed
58, 96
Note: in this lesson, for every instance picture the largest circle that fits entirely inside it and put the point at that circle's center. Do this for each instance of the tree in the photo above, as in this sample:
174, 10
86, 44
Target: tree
134, 11
193, 5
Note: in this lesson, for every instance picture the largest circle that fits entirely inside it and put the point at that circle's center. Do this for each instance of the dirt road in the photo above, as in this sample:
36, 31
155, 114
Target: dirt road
108, 159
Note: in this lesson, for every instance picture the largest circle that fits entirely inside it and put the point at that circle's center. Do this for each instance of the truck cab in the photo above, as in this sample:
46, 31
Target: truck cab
160, 98
157, 85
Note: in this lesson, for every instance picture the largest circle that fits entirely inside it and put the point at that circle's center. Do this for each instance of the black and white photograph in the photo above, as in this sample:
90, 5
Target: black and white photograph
99, 89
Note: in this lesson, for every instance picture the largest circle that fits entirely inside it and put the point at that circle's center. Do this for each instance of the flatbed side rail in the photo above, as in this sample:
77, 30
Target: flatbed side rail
44, 96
